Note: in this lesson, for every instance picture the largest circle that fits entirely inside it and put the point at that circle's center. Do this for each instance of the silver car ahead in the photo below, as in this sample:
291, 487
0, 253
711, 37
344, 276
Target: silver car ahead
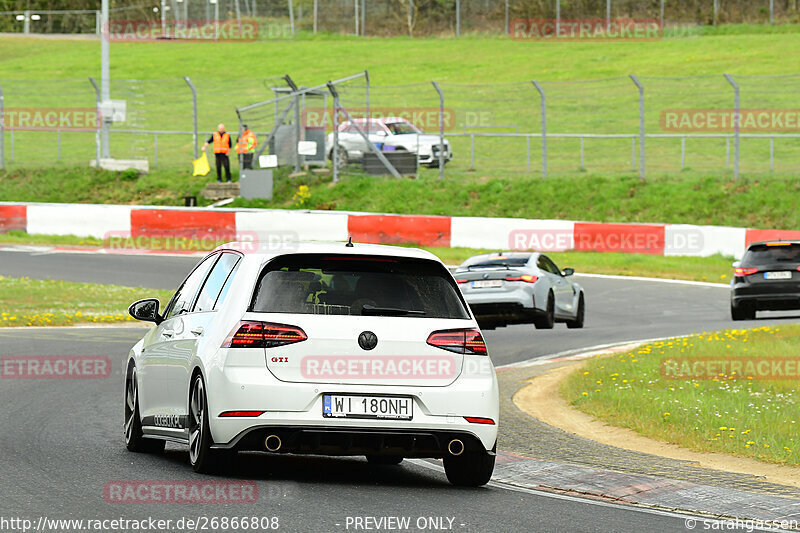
520, 288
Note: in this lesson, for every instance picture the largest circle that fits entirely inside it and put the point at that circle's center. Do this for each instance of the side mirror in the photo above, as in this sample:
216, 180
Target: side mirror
568, 271
736, 264
146, 310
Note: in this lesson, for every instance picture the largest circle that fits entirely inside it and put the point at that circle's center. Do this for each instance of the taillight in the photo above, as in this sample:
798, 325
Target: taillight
463, 341
462, 280
527, 278
479, 420
251, 334
242, 414
740, 272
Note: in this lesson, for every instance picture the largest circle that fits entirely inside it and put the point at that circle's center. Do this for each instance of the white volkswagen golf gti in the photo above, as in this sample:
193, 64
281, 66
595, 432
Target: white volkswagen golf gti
329, 349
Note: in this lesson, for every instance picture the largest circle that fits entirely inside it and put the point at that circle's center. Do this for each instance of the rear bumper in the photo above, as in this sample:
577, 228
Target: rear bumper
355, 441
768, 302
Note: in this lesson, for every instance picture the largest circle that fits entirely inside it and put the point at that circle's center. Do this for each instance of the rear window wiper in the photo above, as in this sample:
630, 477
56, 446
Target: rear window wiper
371, 310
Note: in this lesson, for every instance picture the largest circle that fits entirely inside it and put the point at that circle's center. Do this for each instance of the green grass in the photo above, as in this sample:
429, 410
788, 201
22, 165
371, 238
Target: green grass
734, 413
687, 199
27, 302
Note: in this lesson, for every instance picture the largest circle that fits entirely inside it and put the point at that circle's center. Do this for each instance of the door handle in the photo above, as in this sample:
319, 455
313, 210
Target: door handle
168, 333
198, 330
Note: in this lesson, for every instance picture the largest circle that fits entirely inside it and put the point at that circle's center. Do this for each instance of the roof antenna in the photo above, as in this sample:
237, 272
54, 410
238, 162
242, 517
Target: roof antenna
349, 242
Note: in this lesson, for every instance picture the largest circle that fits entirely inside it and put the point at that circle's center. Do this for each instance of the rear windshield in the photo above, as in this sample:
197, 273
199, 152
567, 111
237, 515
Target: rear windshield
357, 285
763, 254
498, 261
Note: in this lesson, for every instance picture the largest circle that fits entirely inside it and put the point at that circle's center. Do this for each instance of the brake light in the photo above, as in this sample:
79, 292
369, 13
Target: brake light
462, 280
463, 341
479, 420
251, 334
245, 414
740, 272
527, 278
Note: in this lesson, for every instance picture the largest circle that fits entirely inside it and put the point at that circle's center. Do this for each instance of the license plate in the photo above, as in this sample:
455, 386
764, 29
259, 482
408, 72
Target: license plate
777, 275
487, 283
356, 406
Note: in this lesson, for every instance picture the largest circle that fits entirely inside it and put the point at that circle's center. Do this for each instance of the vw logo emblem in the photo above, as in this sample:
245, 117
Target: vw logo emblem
367, 340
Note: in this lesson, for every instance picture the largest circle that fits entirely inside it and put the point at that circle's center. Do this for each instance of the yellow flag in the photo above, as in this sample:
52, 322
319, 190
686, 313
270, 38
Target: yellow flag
201, 166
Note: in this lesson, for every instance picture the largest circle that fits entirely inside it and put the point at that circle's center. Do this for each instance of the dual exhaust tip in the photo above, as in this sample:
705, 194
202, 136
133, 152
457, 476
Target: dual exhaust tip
455, 447
273, 443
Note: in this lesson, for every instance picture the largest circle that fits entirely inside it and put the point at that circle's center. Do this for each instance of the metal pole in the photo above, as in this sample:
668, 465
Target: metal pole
335, 156
2, 131
558, 18
97, 123
298, 134
366, 76
194, 113
216, 19
291, 16
507, 30
662, 15
27, 23
316, 10
716, 10
105, 82
441, 129
544, 127
163, 18
364, 18
356, 19
458, 18
771, 11
736, 122
97, 22
238, 14
641, 126
608, 15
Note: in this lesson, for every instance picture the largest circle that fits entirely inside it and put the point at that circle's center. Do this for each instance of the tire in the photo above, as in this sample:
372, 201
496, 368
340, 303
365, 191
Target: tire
579, 317
470, 469
385, 460
743, 312
549, 319
134, 437
203, 459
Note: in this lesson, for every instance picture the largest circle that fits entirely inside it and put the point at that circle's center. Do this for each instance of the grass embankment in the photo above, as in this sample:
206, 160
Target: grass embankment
685, 199
27, 302
746, 413
53, 73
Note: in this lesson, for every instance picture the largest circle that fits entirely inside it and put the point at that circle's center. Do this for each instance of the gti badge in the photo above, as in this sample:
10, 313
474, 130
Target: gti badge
367, 340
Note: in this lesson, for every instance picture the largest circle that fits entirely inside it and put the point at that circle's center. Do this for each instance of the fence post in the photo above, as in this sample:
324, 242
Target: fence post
335, 154
641, 126
558, 18
316, 11
716, 10
507, 17
662, 16
97, 22
366, 77
736, 122
441, 129
363, 18
2, 132
544, 127
608, 15
97, 121
458, 18
291, 16
194, 113
356, 17
771, 11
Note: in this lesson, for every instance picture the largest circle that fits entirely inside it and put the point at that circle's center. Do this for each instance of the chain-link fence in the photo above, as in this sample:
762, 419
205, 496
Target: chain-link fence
273, 19
630, 124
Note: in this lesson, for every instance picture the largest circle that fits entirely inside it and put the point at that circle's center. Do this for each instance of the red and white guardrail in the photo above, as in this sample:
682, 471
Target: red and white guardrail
102, 221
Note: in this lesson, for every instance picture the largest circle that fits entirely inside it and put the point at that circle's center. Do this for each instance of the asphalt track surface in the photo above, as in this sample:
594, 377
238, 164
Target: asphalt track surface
61, 441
